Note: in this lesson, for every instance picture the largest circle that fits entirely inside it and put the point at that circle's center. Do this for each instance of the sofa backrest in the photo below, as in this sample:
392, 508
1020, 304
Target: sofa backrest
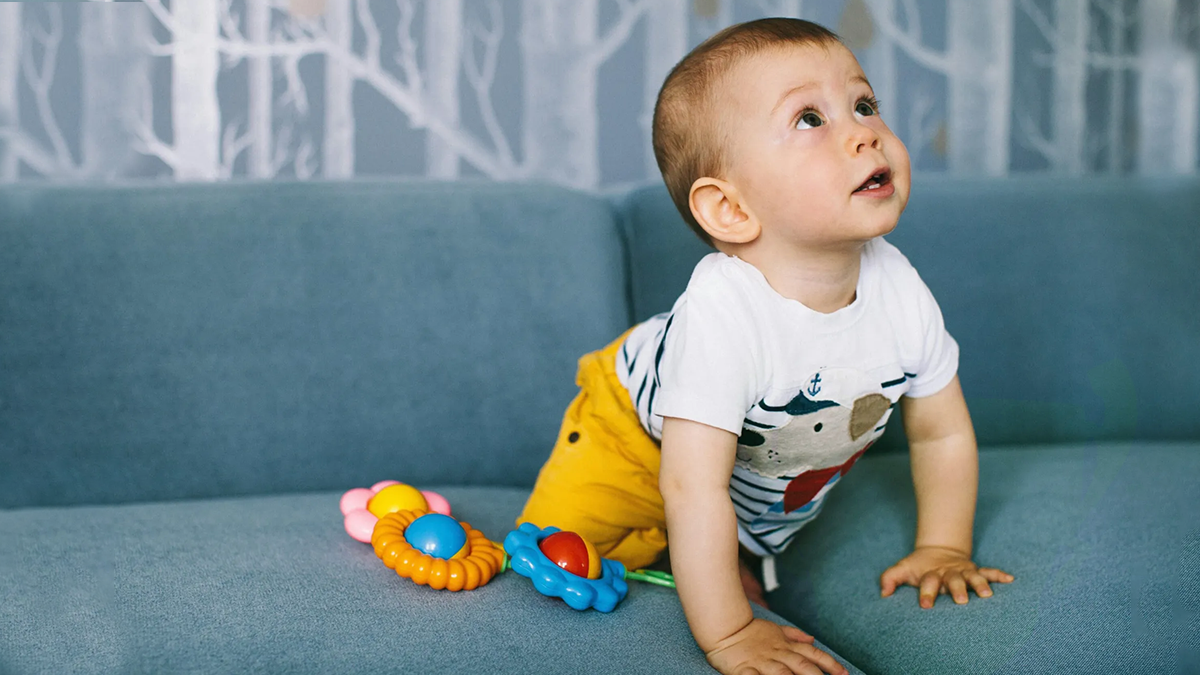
1076, 302
176, 341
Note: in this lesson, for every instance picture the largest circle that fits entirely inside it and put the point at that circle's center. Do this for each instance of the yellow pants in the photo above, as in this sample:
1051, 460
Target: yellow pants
601, 480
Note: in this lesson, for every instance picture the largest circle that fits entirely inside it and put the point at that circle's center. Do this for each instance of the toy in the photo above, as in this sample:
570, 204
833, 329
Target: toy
363, 507
412, 532
573, 553
397, 497
438, 535
553, 560
448, 567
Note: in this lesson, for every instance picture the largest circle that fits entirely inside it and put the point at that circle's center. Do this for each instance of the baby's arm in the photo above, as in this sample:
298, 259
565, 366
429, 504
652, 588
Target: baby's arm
697, 462
945, 469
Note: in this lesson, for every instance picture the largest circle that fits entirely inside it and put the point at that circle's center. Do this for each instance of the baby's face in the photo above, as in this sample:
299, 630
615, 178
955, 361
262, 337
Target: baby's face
807, 142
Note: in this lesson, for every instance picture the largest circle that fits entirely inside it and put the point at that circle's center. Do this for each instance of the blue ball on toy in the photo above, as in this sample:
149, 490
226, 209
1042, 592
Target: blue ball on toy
437, 535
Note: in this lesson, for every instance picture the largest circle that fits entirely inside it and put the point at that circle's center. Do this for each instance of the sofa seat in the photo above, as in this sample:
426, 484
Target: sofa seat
274, 584
1103, 539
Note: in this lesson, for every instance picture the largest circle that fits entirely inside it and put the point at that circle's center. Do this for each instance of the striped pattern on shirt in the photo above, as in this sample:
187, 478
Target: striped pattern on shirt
758, 501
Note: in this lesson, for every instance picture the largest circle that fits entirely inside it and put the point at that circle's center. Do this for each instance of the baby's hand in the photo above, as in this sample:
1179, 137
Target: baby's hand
766, 648
934, 570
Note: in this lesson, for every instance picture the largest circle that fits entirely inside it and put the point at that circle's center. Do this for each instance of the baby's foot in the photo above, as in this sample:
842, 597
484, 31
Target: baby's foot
750, 584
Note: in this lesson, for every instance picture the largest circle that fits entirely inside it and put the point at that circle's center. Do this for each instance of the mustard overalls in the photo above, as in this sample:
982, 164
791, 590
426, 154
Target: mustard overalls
601, 480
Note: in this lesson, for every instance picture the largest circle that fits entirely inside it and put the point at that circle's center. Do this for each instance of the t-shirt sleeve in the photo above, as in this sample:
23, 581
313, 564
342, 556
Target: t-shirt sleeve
939, 351
707, 369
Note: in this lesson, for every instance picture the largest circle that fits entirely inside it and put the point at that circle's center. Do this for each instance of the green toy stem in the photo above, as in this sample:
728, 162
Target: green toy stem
652, 577
648, 576
503, 559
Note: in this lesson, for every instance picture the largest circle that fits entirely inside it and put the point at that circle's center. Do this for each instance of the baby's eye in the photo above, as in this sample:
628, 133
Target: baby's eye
809, 119
867, 107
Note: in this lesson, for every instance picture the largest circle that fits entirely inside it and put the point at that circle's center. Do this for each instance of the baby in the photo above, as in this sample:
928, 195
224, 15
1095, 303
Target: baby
727, 420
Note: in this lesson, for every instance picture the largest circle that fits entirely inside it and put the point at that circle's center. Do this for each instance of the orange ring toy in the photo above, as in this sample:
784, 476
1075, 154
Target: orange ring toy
483, 561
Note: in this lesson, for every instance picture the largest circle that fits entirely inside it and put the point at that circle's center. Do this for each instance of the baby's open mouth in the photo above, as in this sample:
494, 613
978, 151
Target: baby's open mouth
876, 181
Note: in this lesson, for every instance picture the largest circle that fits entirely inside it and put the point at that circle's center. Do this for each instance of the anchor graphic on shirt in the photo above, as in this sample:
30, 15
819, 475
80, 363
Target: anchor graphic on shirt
815, 387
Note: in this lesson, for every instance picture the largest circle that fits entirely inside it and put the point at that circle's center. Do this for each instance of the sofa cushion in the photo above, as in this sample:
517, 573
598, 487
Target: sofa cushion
175, 341
1072, 300
1103, 541
274, 584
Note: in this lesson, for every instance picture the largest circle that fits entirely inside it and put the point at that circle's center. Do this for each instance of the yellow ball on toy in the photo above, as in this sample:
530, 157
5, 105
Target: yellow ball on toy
395, 498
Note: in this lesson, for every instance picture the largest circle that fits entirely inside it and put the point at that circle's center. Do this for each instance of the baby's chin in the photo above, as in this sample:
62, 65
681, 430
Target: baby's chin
854, 231
887, 227
884, 221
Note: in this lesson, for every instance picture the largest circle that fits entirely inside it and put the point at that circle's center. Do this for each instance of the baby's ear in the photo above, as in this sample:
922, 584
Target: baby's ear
719, 208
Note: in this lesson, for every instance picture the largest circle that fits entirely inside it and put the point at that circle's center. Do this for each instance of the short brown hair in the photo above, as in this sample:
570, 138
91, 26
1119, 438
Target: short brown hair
688, 141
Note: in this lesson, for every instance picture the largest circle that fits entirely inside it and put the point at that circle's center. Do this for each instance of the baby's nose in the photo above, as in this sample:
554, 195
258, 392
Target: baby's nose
863, 137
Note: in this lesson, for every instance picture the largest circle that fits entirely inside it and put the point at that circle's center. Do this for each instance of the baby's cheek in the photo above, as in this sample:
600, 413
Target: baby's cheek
897, 155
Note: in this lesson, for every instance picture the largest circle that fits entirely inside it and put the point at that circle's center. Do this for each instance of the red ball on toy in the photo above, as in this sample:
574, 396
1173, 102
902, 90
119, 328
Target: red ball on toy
573, 553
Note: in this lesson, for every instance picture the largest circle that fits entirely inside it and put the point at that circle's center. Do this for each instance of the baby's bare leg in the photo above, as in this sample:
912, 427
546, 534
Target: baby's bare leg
746, 562
750, 583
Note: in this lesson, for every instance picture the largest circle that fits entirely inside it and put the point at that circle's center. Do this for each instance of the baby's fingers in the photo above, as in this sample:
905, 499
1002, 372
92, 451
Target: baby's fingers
814, 661
892, 578
931, 584
787, 664
980, 584
957, 586
796, 635
995, 575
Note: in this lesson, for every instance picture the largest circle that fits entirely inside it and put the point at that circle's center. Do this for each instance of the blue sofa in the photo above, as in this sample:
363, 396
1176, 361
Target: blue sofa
191, 375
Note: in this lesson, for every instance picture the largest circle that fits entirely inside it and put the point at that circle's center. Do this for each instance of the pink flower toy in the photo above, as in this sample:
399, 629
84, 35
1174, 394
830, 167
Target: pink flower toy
363, 507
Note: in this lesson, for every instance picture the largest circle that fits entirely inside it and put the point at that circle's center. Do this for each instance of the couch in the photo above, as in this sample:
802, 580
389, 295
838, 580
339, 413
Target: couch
192, 374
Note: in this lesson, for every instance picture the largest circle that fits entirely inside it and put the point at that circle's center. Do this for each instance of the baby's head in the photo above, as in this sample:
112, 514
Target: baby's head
769, 132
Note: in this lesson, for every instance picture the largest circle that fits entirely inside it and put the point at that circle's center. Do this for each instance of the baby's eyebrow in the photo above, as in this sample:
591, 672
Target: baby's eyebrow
853, 79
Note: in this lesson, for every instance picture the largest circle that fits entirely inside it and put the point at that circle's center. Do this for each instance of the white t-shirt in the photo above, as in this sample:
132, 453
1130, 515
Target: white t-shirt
807, 393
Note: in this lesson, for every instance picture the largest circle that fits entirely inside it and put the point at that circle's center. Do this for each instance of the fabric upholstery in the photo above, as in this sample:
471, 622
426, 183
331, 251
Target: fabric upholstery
245, 352
181, 341
1102, 540
274, 584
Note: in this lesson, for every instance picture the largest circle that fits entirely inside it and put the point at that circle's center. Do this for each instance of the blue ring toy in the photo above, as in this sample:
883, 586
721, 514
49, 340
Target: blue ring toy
549, 579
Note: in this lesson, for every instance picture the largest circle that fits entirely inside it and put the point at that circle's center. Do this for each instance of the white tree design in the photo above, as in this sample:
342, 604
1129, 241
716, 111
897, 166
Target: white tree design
404, 88
666, 43
443, 61
10, 68
437, 63
338, 153
1068, 35
1167, 99
260, 90
562, 50
39, 75
977, 65
201, 33
195, 112
1168, 96
1117, 64
980, 45
116, 72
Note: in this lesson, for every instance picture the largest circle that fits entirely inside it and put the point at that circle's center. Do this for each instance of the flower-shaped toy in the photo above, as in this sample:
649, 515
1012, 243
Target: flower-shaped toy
566, 567
363, 507
435, 550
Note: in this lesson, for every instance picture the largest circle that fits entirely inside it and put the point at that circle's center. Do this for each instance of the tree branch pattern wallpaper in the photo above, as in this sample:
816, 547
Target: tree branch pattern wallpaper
562, 91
